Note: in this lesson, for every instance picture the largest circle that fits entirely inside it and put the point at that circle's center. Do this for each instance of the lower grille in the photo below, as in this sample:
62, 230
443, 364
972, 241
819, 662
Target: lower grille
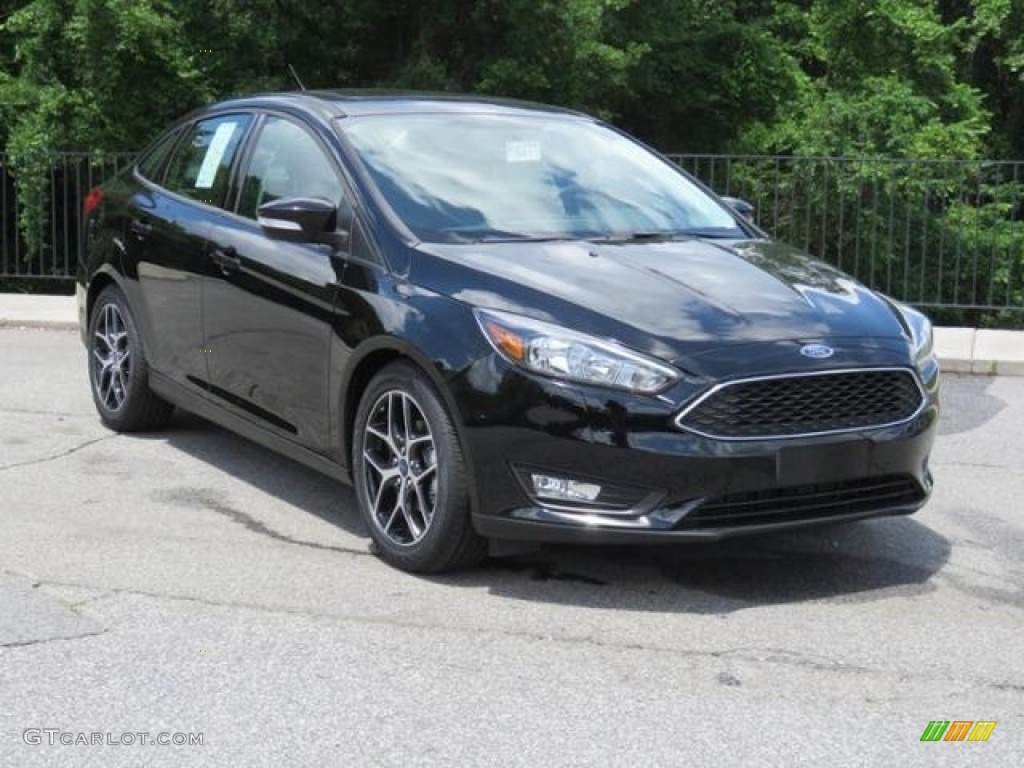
805, 502
805, 404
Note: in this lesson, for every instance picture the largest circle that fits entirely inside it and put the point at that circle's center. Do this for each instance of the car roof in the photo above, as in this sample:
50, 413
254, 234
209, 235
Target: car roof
341, 103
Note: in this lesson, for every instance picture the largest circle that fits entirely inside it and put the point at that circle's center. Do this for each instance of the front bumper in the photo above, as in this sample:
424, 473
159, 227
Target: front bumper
689, 487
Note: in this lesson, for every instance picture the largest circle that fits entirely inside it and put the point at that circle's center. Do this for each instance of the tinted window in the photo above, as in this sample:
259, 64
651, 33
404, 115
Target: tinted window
201, 166
453, 178
287, 162
151, 163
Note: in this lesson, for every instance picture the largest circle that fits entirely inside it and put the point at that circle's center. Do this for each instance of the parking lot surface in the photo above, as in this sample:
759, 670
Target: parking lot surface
190, 582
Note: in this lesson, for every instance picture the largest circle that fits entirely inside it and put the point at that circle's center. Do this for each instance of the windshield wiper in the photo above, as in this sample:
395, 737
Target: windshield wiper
715, 233
520, 238
499, 236
640, 236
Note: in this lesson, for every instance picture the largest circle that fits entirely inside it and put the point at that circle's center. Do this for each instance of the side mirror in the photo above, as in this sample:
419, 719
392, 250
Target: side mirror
299, 220
741, 206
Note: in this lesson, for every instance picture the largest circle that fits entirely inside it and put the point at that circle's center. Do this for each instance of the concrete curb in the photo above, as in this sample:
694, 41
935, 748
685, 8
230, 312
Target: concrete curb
960, 350
982, 351
23, 310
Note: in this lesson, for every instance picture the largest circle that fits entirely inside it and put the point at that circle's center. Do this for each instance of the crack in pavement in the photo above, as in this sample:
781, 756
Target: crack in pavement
281, 610
36, 412
41, 603
973, 465
64, 326
770, 655
250, 523
743, 654
186, 498
33, 581
59, 455
44, 640
1018, 687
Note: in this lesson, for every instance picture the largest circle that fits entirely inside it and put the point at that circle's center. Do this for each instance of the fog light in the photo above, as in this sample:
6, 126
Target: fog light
579, 495
563, 489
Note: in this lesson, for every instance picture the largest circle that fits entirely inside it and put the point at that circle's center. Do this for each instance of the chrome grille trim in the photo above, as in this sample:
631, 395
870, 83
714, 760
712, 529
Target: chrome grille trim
700, 399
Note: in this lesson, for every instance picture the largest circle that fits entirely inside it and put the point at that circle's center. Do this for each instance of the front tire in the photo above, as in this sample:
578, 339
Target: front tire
118, 371
410, 475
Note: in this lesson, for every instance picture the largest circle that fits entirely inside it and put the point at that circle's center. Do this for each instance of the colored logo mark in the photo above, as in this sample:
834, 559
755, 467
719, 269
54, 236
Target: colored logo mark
958, 730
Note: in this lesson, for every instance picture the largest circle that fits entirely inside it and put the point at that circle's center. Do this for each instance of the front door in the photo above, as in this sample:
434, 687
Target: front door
267, 309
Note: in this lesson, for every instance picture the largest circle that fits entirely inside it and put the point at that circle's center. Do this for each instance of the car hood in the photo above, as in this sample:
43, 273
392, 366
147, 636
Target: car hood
673, 299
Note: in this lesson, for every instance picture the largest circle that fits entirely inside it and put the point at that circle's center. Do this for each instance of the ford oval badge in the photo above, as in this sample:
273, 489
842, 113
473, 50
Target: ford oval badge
817, 351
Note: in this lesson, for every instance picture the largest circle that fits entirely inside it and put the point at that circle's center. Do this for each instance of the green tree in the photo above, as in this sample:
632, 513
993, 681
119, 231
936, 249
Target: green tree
993, 61
75, 62
851, 78
877, 77
708, 70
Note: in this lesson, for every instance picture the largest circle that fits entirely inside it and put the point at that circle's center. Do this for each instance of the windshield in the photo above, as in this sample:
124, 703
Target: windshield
479, 177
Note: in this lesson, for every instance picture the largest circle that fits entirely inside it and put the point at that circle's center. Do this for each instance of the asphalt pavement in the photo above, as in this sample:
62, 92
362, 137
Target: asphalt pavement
189, 584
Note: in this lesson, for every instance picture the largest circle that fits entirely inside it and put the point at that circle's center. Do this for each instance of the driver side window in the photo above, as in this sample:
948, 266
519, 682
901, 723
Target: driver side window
287, 162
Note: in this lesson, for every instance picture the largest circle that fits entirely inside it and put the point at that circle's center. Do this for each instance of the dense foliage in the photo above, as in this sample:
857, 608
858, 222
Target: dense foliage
899, 78
917, 77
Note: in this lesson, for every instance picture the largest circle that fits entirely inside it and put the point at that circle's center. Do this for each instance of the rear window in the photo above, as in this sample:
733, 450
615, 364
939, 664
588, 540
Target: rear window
201, 165
152, 161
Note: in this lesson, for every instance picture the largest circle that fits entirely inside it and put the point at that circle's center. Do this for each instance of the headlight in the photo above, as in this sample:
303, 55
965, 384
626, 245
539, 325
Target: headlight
922, 338
555, 351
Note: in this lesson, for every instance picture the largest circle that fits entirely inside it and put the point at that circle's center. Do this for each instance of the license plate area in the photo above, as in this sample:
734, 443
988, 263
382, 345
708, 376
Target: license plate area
824, 463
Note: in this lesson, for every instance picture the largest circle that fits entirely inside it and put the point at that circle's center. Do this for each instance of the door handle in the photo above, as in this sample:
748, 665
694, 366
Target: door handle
140, 227
227, 259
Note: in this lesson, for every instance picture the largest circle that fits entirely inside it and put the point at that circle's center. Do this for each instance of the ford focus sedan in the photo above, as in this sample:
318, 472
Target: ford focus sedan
498, 320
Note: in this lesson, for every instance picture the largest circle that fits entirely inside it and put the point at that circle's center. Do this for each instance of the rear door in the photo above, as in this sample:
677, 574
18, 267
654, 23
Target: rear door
166, 241
268, 306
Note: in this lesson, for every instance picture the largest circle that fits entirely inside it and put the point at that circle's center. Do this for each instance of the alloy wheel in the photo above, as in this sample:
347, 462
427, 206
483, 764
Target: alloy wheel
112, 358
400, 468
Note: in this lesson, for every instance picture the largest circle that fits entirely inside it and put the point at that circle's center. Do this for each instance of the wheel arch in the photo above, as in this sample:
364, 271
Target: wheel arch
99, 281
102, 278
370, 358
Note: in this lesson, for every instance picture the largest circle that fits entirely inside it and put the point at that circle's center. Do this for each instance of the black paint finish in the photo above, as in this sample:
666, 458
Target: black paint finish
276, 340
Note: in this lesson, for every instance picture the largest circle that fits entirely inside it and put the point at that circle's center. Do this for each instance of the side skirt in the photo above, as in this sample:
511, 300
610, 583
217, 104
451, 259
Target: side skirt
209, 410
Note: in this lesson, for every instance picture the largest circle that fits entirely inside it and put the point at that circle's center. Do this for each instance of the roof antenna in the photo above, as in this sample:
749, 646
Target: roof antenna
295, 75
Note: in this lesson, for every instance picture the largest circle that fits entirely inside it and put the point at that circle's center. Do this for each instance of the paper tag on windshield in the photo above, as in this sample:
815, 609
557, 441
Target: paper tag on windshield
522, 152
214, 154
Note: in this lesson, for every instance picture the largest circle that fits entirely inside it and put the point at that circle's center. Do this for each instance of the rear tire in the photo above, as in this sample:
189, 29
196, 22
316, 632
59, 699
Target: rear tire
118, 371
410, 476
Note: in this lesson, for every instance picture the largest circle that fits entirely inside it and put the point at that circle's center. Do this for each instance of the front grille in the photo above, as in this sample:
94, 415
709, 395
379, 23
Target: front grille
805, 404
805, 502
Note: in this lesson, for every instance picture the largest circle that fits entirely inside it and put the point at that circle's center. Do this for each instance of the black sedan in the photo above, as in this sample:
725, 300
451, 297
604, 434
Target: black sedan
499, 321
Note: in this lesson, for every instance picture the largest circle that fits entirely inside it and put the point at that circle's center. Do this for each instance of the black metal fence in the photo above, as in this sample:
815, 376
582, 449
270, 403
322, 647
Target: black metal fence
57, 228
944, 235
947, 236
